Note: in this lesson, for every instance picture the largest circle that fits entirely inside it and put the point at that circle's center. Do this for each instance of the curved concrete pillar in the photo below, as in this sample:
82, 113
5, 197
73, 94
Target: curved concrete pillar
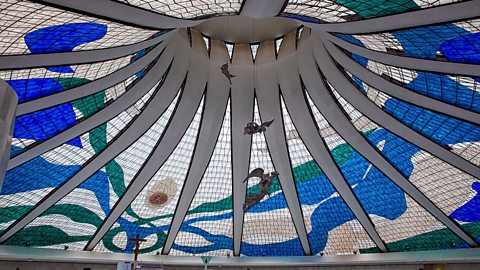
8, 107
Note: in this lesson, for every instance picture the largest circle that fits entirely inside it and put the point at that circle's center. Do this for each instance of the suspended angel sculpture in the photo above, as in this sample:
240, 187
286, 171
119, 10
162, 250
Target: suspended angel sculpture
253, 128
226, 72
266, 180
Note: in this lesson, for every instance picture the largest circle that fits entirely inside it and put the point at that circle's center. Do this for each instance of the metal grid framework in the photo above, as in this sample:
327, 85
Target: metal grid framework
146, 216
455, 183
44, 124
21, 18
397, 232
57, 160
211, 209
90, 203
47, 82
189, 9
455, 90
259, 222
32, 127
396, 112
425, 42
430, 123
345, 234
341, 10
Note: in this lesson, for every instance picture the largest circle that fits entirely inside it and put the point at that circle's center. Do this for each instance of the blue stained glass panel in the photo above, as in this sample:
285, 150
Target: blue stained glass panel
63, 38
44, 124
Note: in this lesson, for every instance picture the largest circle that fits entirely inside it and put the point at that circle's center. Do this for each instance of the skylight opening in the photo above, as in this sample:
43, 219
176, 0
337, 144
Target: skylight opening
278, 43
253, 49
230, 50
207, 43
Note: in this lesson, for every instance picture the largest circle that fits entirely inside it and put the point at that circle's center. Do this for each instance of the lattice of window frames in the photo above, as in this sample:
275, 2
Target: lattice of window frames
44, 124
445, 185
327, 11
453, 42
84, 209
457, 90
31, 84
189, 9
168, 182
40, 82
384, 201
264, 226
461, 137
341, 11
22, 17
65, 160
341, 153
322, 214
211, 208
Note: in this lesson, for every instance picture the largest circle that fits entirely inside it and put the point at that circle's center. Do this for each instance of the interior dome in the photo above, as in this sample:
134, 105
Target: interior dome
358, 120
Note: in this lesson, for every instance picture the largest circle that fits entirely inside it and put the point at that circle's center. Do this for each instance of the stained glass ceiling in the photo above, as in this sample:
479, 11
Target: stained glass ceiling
135, 125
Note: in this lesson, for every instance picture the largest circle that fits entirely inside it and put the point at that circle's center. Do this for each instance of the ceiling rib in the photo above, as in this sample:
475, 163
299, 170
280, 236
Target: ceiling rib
400, 92
122, 103
262, 8
218, 90
269, 104
123, 13
368, 108
335, 116
242, 93
267, 92
463, 69
328, 107
144, 121
423, 17
93, 87
9, 101
165, 146
291, 88
182, 117
23, 61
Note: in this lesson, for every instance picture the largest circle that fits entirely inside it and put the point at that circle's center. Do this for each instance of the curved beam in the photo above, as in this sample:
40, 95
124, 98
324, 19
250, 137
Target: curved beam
168, 89
399, 92
291, 88
377, 115
22, 61
144, 122
93, 87
454, 68
9, 101
123, 13
268, 97
218, 90
327, 105
423, 17
242, 101
262, 8
173, 133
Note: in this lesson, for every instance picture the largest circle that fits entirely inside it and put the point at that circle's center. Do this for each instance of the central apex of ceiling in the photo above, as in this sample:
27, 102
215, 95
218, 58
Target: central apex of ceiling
240, 29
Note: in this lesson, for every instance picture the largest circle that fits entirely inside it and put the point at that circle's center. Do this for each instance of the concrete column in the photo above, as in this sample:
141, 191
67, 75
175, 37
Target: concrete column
8, 107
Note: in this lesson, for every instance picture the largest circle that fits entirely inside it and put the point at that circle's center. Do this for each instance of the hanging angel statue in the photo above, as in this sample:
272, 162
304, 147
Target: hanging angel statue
266, 180
226, 72
253, 128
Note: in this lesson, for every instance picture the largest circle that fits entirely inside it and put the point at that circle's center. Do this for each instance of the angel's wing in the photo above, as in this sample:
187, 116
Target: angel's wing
258, 172
267, 124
